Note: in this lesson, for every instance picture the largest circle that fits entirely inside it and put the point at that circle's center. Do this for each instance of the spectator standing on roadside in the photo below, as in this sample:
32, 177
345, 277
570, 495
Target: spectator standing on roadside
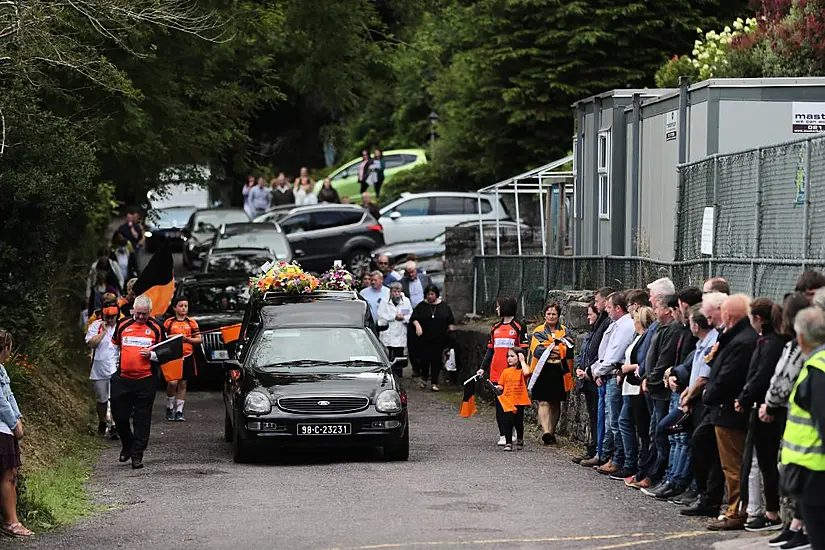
104, 360
250, 183
260, 198
376, 293
282, 193
378, 166
114, 275
592, 320
328, 192
11, 432
134, 232
124, 257
383, 264
133, 385
434, 324
803, 452
413, 283
396, 313
505, 334
371, 207
364, 170
809, 282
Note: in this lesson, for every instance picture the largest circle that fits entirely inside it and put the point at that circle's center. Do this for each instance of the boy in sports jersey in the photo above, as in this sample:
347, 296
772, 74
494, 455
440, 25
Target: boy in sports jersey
133, 385
181, 324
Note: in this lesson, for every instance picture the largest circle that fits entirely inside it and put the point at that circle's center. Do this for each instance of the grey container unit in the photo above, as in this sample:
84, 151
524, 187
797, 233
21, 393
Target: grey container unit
720, 116
601, 151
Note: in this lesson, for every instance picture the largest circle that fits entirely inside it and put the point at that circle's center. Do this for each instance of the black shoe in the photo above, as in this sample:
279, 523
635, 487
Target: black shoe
170, 414
799, 541
671, 491
653, 491
623, 474
701, 509
782, 537
101, 428
579, 459
137, 462
548, 438
124, 456
685, 499
113, 435
763, 523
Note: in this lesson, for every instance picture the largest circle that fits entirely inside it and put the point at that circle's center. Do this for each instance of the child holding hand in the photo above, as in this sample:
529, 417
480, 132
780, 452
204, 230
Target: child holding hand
512, 385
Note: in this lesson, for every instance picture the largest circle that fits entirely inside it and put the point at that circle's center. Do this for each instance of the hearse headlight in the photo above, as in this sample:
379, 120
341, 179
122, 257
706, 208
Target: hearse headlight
388, 402
257, 403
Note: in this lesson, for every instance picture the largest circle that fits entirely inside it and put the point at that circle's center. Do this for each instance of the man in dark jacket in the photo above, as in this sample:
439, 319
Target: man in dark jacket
728, 373
588, 387
413, 284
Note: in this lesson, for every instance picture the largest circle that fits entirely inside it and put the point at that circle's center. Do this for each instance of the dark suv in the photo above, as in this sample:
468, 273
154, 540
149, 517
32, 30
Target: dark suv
310, 372
323, 233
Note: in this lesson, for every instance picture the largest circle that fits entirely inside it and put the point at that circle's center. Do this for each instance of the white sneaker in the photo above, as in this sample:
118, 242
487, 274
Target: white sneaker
502, 441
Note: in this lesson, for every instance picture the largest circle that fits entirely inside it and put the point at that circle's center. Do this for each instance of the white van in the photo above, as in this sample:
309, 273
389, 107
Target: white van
422, 216
184, 186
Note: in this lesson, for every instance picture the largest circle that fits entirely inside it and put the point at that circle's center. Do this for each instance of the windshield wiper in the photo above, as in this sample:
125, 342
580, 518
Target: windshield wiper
296, 363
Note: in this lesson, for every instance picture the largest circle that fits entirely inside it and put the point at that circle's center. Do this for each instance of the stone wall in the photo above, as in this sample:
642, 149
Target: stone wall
471, 344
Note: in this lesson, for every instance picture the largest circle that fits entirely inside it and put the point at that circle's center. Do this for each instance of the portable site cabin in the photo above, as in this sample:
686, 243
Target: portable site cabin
629, 143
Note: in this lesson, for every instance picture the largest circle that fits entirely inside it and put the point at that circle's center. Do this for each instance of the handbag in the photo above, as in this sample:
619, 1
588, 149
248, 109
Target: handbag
449, 360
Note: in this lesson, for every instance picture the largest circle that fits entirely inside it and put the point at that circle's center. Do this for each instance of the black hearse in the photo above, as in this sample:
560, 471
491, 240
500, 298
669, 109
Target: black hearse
309, 370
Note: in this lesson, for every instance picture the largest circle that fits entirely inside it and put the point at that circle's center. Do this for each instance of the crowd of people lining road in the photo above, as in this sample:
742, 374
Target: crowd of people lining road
691, 395
258, 196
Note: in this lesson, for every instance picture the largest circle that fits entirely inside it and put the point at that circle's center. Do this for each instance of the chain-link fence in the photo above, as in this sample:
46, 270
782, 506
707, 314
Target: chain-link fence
767, 207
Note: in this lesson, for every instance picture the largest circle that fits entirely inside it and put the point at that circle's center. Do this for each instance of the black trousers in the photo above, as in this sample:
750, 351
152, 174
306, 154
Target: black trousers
766, 441
512, 420
132, 402
394, 353
431, 357
707, 467
641, 417
591, 397
414, 350
812, 515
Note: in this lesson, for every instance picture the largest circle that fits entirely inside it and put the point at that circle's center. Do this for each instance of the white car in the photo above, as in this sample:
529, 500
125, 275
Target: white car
422, 216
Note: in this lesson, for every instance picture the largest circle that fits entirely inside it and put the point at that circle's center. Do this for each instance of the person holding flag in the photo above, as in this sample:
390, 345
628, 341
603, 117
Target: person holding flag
504, 335
514, 397
190, 333
133, 384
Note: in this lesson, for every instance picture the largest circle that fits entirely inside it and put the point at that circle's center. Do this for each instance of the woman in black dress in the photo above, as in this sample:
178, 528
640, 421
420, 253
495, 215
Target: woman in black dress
434, 324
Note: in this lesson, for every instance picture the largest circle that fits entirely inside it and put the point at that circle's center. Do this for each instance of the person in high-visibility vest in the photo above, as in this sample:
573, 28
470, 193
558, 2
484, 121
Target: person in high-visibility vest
803, 450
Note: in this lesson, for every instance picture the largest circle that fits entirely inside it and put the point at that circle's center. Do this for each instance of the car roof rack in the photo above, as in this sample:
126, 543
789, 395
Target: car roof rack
281, 297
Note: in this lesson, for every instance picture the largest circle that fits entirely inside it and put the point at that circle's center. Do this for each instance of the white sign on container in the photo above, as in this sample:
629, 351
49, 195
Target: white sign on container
707, 231
671, 125
808, 117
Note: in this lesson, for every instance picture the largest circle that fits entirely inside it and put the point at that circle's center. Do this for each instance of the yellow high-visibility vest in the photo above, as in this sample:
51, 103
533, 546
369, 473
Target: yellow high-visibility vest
801, 443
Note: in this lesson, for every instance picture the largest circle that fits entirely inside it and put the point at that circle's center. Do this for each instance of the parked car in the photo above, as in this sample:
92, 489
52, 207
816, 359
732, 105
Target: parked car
345, 178
422, 216
166, 224
238, 260
309, 372
251, 235
201, 227
215, 300
323, 233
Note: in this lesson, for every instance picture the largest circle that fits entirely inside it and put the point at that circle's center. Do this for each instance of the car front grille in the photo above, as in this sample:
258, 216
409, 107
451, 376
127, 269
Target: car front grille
323, 405
212, 341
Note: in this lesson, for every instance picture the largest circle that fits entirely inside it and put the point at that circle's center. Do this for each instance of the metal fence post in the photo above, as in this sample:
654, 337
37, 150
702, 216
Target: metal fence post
715, 211
757, 223
475, 287
806, 220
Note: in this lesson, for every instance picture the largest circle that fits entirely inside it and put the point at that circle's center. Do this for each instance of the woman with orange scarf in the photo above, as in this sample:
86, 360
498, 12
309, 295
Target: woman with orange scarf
551, 358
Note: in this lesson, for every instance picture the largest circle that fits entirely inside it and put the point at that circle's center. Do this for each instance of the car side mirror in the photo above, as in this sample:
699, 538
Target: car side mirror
395, 215
399, 363
233, 369
298, 252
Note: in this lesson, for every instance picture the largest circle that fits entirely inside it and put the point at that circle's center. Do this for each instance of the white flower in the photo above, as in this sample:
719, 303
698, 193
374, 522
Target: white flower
727, 29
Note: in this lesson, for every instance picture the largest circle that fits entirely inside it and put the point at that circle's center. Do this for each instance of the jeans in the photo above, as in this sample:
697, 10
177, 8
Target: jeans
656, 463
630, 442
612, 409
133, 400
605, 449
680, 466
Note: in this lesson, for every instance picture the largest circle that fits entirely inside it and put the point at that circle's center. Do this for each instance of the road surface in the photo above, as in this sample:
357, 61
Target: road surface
459, 490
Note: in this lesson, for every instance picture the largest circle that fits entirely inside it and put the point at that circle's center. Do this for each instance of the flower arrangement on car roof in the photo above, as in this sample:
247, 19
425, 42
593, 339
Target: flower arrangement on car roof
337, 278
284, 277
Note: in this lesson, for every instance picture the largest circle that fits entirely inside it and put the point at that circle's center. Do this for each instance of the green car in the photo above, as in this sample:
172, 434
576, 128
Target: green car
345, 178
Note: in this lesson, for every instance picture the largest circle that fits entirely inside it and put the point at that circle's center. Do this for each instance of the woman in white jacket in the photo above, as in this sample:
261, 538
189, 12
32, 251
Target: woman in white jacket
395, 313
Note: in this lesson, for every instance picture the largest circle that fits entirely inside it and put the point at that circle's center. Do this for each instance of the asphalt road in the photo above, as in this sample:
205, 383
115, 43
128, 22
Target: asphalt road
458, 490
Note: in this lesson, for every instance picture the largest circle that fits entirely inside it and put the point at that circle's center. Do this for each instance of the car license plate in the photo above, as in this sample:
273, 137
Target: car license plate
324, 429
220, 354
173, 234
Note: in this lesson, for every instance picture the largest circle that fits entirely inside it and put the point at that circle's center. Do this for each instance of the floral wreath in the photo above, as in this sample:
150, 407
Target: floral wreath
286, 278
337, 278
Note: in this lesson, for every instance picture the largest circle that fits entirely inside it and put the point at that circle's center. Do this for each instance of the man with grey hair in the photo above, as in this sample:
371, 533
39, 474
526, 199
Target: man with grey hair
376, 293
803, 451
133, 384
661, 287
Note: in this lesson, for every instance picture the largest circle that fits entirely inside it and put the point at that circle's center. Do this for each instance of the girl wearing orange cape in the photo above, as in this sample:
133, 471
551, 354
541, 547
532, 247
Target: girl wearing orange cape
551, 358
